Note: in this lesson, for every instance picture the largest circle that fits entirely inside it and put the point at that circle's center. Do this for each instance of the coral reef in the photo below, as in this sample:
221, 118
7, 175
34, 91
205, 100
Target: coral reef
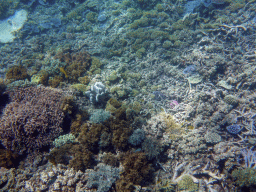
137, 137
102, 178
98, 93
48, 177
244, 177
137, 171
99, 116
8, 159
77, 63
134, 137
17, 73
32, 119
63, 139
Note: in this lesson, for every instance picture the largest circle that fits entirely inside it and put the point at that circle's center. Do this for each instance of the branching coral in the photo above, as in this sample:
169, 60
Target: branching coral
32, 119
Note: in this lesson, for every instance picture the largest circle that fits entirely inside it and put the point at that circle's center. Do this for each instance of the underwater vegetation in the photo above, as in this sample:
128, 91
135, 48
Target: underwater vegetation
17, 73
132, 95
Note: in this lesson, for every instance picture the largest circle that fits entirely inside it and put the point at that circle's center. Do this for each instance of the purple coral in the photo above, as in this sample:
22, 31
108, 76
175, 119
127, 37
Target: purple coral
234, 129
32, 119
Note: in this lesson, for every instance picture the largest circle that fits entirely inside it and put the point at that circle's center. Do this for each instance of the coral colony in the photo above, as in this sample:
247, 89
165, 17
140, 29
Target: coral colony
127, 95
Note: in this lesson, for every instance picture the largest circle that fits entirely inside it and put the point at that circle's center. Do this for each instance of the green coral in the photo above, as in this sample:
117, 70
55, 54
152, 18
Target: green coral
187, 184
63, 139
142, 22
140, 52
244, 177
76, 12
92, 17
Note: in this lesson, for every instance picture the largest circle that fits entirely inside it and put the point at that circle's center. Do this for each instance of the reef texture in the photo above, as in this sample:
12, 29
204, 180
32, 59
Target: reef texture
32, 118
159, 95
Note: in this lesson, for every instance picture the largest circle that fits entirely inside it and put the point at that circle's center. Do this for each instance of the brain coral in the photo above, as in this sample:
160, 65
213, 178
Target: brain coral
32, 118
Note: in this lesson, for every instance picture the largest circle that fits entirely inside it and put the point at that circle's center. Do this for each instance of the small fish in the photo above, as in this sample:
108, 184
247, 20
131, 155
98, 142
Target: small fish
64, 72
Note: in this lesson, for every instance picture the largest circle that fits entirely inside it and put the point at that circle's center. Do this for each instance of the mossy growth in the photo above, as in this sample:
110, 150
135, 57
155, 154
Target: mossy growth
76, 12
140, 52
244, 177
134, 13
146, 4
17, 73
135, 92
112, 105
136, 107
137, 171
126, 3
113, 52
110, 159
167, 44
163, 25
159, 7
236, 5
77, 64
113, 77
187, 184
55, 81
78, 87
173, 129
2, 86
76, 125
165, 185
82, 157
87, 26
68, 106
92, 17
84, 80
6, 7
114, 134
119, 92
161, 35
41, 77
179, 25
142, 22
150, 14
95, 65
116, 12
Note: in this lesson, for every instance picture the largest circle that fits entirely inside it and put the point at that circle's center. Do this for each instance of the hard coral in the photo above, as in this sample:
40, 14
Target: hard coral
77, 64
32, 119
17, 73
244, 177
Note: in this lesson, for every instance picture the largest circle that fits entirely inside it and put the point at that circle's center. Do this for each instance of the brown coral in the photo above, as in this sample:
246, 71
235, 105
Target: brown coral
17, 73
32, 119
77, 64
137, 171
7, 158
